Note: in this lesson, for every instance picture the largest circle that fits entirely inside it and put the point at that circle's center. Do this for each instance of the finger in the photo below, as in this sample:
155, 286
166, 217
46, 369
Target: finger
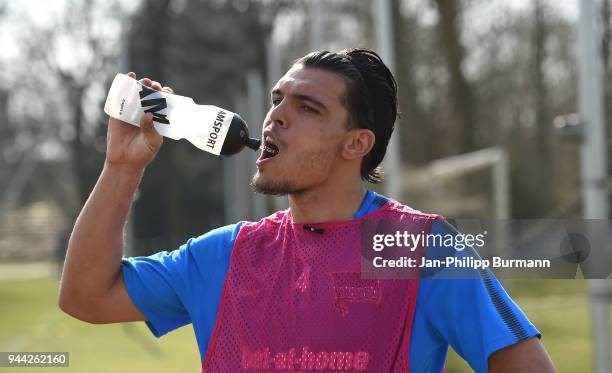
146, 126
168, 89
146, 121
155, 85
146, 81
152, 138
132, 74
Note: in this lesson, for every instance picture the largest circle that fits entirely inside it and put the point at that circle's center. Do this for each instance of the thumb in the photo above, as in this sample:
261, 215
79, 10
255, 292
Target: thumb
152, 138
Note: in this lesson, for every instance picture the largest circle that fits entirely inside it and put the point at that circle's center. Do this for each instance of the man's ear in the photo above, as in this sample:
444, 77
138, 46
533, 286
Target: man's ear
358, 143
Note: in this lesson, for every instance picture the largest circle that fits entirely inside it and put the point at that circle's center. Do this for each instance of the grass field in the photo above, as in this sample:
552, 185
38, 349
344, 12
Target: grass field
560, 310
31, 321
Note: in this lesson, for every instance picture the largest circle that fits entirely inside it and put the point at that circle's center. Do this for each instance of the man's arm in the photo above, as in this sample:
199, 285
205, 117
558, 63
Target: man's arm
525, 357
92, 287
472, 312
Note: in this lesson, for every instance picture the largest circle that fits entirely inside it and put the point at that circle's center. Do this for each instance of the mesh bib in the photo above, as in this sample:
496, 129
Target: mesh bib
294, 300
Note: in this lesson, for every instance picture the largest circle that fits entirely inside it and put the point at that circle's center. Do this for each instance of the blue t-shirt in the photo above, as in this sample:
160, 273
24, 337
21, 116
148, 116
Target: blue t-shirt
474, 316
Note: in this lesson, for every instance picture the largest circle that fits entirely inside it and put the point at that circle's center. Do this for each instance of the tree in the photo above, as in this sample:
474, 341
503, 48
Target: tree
203, 50
71, 56
463, 101
540, 154
416, 131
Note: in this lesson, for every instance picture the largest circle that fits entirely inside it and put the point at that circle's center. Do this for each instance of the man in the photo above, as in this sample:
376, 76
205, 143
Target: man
285, 293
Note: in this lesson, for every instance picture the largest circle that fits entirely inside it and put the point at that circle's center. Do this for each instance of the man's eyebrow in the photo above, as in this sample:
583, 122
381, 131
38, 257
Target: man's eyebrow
301, 96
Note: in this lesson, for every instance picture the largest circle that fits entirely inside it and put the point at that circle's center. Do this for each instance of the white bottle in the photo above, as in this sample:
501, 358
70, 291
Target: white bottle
208, 127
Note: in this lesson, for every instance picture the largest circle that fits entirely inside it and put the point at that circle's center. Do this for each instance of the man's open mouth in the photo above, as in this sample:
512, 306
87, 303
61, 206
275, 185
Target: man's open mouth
269, 150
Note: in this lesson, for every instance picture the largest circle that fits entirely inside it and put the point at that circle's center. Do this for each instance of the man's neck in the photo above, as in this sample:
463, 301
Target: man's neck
340, 202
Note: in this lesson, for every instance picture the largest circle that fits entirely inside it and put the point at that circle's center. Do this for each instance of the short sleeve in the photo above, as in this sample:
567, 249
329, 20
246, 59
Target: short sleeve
165, 285
474, 315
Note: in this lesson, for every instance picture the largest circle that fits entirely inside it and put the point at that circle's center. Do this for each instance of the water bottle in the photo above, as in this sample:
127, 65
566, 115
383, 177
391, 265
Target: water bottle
209, 128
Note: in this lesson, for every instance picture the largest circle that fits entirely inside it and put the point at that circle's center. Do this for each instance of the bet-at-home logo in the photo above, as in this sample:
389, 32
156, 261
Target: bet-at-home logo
155, 104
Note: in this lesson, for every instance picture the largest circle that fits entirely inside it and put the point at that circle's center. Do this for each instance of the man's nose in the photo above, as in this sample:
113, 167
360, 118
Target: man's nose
278, 114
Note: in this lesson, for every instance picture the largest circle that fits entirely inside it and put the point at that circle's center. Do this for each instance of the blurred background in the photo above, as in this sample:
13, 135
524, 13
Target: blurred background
486, 93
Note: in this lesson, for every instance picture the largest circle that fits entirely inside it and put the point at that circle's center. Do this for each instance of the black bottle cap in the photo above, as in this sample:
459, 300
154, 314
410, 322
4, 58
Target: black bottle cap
237, 136
253, 143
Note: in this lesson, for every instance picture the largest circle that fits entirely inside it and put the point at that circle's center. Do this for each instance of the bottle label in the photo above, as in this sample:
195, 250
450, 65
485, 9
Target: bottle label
212, 140
174, 116
154, 102
123, 100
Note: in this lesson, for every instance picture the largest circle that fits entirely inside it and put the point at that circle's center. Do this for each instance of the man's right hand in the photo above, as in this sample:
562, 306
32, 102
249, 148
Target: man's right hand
128, 145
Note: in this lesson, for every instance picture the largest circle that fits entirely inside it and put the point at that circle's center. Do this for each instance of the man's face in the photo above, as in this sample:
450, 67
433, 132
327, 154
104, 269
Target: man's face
303, 132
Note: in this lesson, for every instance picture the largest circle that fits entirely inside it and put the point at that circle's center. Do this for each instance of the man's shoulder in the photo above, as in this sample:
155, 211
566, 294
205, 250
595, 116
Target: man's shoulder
403, 209
274, 219
219, 238
231, 231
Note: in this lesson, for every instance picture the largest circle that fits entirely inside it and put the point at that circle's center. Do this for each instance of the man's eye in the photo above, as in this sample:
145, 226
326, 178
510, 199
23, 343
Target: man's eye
275, 102
309, 109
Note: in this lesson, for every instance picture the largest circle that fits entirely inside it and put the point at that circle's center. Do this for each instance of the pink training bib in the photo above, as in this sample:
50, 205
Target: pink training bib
294, 300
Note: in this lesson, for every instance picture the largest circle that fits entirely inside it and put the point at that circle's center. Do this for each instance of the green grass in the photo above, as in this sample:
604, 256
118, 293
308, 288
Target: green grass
31, 321
560, 310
